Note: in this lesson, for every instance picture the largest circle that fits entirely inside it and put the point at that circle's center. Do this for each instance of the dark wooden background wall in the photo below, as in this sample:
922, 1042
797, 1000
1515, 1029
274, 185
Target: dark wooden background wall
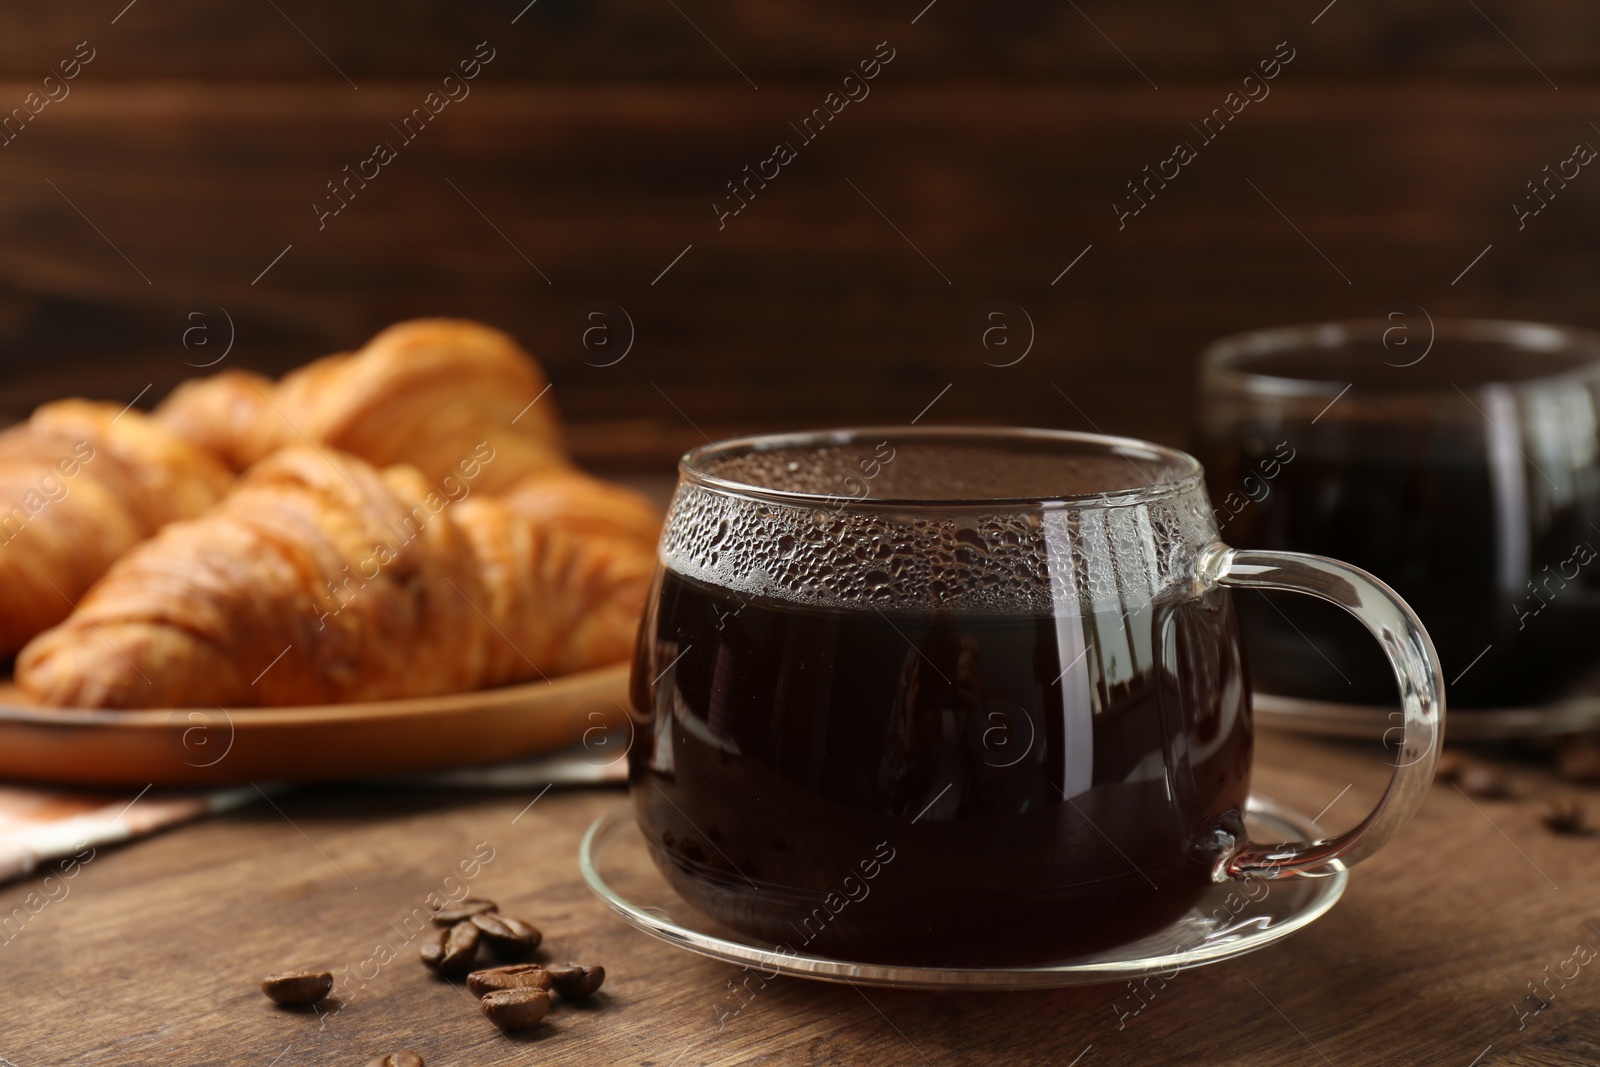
987, 157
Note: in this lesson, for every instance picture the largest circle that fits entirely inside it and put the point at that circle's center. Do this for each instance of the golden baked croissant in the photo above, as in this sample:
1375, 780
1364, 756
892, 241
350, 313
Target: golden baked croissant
322, 579
568, 499
432, 393
230, 415
81, 483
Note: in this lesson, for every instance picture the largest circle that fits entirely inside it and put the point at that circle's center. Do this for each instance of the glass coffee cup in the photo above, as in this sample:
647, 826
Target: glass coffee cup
1459, 461
968, 697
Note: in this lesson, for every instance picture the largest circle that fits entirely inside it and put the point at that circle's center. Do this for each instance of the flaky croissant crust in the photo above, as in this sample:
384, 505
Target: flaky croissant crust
422, 393
321, 579
80, 484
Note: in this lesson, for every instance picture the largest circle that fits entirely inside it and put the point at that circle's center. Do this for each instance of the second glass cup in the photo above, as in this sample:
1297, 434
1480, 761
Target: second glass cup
1458, 463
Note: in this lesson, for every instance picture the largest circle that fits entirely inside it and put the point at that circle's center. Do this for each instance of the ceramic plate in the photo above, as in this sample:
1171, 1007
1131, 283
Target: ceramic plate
218, 746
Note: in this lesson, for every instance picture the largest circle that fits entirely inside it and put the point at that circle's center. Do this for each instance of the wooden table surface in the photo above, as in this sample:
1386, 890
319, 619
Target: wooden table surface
154, 953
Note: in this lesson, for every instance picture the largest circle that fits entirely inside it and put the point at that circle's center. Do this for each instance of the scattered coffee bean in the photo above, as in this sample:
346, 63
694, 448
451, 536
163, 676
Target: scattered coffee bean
432, 949
1451, 764
576, 981
516, 1009
1579, 759
453, 951
1564, 815
404, 1058
297, 988
508, 938
451, 914
1484, 780
515, 976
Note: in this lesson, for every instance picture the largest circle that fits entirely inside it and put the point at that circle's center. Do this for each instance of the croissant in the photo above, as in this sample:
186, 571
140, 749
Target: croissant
321, 579
81, 483
229, 415
565, 498
436, 394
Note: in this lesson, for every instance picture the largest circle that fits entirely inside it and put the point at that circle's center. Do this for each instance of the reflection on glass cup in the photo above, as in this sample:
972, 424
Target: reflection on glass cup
967, 697
1459, 467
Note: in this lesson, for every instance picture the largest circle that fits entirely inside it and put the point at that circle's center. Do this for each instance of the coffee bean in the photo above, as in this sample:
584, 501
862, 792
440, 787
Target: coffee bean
516, 1009
1564, 815
576, 981
508, 938
451, 914
1579, 759
1484, 780
432, 950
297, 988
515, 976
453, 951
404, 1058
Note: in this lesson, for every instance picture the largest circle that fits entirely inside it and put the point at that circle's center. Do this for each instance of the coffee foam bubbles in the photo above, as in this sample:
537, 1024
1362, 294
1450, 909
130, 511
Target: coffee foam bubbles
1076, 557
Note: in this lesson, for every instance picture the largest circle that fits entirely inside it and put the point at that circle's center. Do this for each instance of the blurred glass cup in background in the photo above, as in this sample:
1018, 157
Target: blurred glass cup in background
1454, 460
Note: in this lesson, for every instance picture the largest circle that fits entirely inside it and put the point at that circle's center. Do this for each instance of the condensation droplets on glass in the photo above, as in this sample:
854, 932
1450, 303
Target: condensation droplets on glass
1126, 546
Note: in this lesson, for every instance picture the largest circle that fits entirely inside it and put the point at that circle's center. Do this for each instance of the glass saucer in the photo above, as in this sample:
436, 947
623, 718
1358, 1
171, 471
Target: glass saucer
1232, 919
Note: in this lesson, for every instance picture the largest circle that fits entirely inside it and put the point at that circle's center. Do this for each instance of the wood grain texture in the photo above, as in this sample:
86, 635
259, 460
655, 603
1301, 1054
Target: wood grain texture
826, 300
623, 39
155, 952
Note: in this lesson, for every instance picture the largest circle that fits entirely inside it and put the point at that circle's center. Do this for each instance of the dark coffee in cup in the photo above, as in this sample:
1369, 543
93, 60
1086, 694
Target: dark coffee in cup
889, 785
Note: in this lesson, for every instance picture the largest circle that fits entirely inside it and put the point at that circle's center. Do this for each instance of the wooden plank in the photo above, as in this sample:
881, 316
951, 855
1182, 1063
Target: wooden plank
154, 951
826, 300
599, 40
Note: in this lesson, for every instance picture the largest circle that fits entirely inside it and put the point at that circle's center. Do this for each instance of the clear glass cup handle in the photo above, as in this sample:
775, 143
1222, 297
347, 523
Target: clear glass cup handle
1416, 668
